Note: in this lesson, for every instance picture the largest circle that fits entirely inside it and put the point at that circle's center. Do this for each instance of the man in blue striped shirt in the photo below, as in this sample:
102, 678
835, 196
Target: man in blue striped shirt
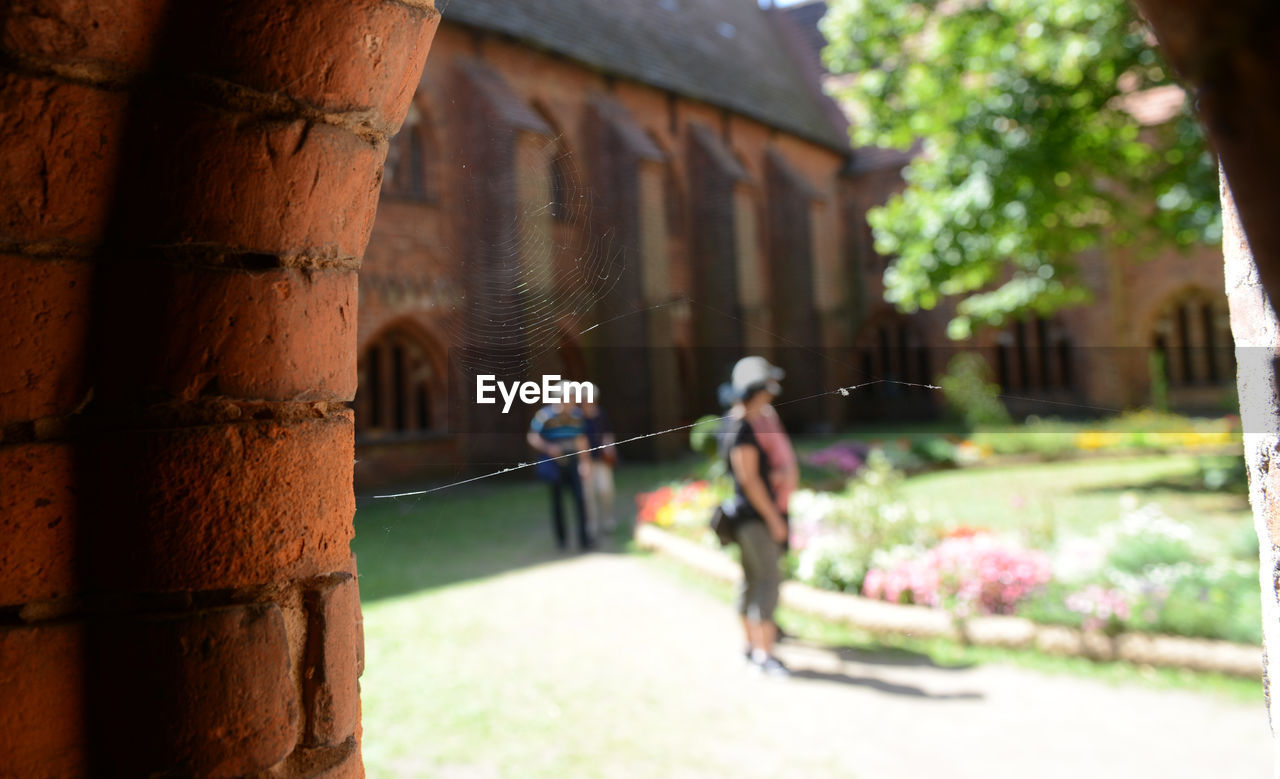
557, 430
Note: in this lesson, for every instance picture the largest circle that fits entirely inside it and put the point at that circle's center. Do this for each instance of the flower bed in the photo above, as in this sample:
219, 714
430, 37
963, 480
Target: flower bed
1143, 572
1140, 431
1001, 631
1136, 433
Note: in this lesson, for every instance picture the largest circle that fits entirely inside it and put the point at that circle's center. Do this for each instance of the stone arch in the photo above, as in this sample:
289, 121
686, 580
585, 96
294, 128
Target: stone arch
403, 381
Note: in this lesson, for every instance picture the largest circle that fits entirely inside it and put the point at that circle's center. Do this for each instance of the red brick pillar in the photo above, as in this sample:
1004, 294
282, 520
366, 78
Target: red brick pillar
188, 189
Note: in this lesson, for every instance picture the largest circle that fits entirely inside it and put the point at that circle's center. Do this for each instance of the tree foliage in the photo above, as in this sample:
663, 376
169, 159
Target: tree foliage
1028, 154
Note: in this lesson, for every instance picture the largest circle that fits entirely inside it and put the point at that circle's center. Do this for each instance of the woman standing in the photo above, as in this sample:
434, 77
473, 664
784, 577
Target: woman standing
759, 526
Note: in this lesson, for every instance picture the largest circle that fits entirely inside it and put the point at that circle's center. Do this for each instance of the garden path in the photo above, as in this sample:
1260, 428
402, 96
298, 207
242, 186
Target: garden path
632, 673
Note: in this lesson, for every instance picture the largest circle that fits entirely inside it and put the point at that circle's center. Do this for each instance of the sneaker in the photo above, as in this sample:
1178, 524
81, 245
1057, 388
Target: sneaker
771, 666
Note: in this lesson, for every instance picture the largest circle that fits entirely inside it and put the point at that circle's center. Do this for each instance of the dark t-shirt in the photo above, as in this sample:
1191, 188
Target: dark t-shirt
737, 432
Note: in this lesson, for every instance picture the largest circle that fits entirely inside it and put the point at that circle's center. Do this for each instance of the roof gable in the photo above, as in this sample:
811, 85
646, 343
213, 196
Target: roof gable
723, 52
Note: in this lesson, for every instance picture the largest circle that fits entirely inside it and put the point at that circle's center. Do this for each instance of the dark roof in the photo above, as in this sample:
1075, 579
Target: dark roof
723, 52
868, 158
616, 114
510, 109
806, 17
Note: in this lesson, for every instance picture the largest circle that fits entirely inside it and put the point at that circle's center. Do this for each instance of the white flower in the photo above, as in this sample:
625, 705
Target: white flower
1077, 559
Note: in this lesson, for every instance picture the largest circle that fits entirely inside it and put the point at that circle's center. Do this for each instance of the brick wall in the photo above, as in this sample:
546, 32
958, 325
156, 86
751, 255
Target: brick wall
188, 191
716, 224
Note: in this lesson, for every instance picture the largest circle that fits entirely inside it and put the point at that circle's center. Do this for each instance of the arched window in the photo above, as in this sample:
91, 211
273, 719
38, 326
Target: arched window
1192, 335
561, 186
1035, 353
400, 388
673, 195
894, 349
410, 171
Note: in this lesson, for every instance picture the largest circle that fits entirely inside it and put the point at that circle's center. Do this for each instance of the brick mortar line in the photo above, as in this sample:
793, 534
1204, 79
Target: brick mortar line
366, 123
174, 415
80, 607
37, 431
44, 429
181, 414
219, 257
84, 73
313, 761
48, 250
208, 256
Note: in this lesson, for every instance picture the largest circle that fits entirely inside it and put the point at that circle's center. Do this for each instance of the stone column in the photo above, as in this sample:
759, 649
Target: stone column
189, 189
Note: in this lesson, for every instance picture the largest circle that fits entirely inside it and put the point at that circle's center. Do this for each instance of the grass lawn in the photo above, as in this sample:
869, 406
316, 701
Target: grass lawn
443, 690
406, 545
1080, 495
429, 570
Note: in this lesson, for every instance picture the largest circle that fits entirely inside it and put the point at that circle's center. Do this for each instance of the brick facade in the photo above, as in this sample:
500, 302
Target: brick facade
718, 234
707, 229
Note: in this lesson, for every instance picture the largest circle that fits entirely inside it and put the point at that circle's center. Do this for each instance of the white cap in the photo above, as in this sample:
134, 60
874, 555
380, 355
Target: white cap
752, 373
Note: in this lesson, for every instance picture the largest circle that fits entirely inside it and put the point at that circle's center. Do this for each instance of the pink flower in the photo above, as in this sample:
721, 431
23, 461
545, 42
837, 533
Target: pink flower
969, 573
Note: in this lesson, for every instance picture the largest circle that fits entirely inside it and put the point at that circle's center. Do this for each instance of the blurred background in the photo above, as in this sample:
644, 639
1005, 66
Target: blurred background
983, 241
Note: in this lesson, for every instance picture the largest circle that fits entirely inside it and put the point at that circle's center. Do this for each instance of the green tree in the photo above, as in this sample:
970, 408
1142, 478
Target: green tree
1029, 156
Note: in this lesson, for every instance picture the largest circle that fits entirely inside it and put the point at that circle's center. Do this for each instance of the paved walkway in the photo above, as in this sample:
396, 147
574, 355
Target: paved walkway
666, 655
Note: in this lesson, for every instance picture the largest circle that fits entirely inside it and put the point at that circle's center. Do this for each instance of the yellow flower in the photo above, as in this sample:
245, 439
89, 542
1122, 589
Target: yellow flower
1092, 439
665, 516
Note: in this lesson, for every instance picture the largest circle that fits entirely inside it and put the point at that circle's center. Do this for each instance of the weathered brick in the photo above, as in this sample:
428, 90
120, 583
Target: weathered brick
58, 154
335, 55
42, 715
44, 312
119, 35
206, 693
329, 690
220, 506
350, 767
280, 187
37, 523
329, 762
282, 334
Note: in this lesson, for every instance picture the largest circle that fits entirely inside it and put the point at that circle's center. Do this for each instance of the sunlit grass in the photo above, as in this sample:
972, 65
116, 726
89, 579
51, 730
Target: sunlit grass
1078, 495
447, 687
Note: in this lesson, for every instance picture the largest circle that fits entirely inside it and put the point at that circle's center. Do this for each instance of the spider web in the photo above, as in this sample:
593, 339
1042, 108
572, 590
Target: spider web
540, 268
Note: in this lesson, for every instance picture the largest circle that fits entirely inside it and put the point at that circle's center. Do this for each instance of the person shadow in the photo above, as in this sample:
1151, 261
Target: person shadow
880, 685
844, 656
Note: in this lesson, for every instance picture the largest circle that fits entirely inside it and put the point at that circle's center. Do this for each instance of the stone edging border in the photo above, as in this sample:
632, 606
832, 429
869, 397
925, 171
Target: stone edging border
1011, 632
